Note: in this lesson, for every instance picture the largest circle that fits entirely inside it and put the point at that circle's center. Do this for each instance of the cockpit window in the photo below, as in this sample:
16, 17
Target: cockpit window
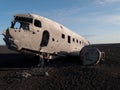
16, 25
20, 25
24, 19
24, 26
37, 23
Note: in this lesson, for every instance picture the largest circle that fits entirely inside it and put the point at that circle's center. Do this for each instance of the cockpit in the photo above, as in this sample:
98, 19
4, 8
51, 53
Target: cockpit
21, 23
24, 23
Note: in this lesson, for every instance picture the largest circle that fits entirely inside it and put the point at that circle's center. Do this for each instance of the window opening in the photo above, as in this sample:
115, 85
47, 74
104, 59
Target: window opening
20, 25
37, 23
16, 25
53, 39
77, 40
23, 19
80, 42
24, 26
73, 39
69, 39
63, 36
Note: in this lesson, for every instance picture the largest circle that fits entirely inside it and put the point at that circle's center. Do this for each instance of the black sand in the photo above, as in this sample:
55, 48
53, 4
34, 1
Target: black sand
64, 74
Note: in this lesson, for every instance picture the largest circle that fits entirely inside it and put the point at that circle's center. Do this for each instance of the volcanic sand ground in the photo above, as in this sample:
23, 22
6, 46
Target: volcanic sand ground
63, 74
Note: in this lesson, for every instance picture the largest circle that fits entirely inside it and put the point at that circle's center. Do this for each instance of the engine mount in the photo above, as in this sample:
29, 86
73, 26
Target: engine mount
91, 56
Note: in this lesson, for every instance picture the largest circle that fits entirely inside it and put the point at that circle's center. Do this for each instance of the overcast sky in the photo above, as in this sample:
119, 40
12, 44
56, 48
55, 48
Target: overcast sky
96, 20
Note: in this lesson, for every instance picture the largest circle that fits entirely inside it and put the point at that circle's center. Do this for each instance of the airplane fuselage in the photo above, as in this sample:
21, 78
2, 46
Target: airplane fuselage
39, 35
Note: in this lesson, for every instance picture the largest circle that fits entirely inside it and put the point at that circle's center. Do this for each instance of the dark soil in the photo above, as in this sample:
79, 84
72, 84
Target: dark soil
63, 74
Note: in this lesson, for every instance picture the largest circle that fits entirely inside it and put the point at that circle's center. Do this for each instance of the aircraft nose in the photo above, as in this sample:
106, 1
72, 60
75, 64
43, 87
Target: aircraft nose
8, 38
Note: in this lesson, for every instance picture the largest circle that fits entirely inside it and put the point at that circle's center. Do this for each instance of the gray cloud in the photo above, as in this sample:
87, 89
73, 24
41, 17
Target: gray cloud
102, 2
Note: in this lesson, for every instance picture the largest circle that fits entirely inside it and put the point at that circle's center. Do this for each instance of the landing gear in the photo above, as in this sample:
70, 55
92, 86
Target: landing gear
41, 62
41, 68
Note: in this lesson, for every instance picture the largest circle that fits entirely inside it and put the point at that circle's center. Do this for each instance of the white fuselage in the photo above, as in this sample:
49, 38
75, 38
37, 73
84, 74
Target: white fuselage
40, 35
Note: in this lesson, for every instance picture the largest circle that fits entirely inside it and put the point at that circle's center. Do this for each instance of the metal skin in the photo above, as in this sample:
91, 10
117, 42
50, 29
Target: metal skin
34, 34
60, 40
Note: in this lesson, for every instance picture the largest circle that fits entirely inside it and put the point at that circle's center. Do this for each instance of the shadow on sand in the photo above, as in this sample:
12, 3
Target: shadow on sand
16, 60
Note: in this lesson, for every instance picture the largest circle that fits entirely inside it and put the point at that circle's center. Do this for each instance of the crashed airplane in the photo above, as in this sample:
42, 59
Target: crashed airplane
37, 35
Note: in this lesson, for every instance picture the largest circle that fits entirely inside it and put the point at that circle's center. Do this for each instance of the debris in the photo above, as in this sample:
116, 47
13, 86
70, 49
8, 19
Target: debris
46, 74
39, 72
23, 75
26, 75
